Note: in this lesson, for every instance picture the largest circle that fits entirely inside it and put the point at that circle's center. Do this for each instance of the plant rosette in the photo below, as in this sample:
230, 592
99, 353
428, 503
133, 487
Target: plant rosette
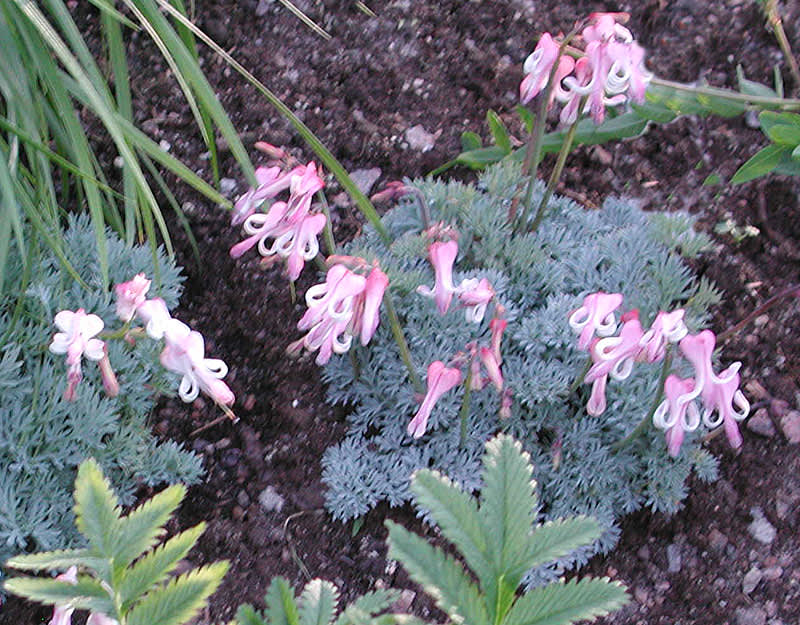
519, 363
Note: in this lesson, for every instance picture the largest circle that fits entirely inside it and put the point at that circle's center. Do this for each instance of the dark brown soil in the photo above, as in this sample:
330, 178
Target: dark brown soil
442, 65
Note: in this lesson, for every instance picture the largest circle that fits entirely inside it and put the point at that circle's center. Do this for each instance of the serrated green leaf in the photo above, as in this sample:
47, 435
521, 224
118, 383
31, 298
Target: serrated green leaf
366, 606
247, 615
480, 158
499, 131
141, 529
456, 514
318, 603
180, 599
154, 567
470, 141
87, 594
281, 603
560, 604
97, 510
760, 164
554, 540
441, 576
49, 560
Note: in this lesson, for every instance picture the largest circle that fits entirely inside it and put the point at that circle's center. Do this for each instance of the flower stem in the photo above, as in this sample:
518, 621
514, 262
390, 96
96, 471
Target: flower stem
579, 380
402, 344
644, 423
327, 231
556, 173
774, 19
463, 413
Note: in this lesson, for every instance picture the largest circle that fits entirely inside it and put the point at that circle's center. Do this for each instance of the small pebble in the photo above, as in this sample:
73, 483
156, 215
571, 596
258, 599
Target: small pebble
751, 580
420, 139
227, 186
365, 179
761, 424
751, 616
243, 499
790, 424
717, 540
673, 558
270, 500
772, 573
761, 529
230, 457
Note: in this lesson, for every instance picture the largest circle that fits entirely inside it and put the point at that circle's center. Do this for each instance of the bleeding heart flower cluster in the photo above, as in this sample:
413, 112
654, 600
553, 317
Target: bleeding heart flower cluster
292, 226
184, 348
609, 71
347, 304
613, 355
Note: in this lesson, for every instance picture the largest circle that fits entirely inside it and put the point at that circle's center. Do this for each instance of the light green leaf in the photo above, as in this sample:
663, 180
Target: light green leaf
441, 576
480, 158
247, 615
470, 141
760, 164
281, 603
366, 606
180, 599
750, 87
49, 560
97, 510
554, 540
87, 594
318, 603
561, 604
498, 130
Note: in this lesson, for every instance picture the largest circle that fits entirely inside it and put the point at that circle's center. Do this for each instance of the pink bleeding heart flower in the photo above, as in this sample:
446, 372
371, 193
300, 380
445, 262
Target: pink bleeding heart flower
260, 227
497, 327
271, 181
666, 328
627, 73
367, 309
98, 618
572, 98
155, 315
728, 402
537, 68
615, 355
474, 295
492, 368
440, 379
75, 340
597, 400
698, 349
595, 316
131, 295
331, 306
442, 255
675, 415
62, 613
299, 244
184, 353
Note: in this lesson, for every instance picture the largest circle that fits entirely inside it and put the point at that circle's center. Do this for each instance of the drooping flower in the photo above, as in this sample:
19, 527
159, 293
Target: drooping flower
474, 295
440, 379
366, 315
443, 255
62, 613
728, 402
271, 181
492, 367
75, 340
615, 355
184, 353
537, 68
666, 328
110, 383
675, 415
698, 349
131, 295
595, 316
155, 315
497, 327
299, 244
98, 618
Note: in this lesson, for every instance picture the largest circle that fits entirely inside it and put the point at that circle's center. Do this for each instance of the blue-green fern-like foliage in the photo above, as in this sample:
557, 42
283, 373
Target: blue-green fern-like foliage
43, 437
539, 278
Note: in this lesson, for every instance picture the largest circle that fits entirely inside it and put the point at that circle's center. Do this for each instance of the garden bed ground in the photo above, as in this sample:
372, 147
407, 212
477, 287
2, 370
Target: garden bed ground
440, 66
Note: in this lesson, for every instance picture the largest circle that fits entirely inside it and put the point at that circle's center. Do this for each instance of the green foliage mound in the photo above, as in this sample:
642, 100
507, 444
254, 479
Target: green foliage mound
539, 278
43, 437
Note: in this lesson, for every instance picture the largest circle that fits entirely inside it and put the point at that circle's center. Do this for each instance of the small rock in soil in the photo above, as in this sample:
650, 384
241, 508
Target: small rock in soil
772, 573
420, 139
365, 178
751, 616
230, 457
404, 601
227, 186
263, 7
751, 580
243, 499
673, 558
761, 424
761, 529
790, 424
270, 500
717, 540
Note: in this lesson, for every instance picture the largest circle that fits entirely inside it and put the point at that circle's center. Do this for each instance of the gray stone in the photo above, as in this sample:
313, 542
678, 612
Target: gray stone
751, 580
270, 500
751, 616
761, 529
365, 178
761, 424
790, 424
673, 558
420, 139
227, 186
263, 7
717, 540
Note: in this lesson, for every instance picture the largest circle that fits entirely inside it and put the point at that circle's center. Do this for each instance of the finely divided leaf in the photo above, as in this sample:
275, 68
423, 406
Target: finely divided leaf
180, 599
281, 604
246, 615
441, 576
96, 507
154, 567
561, 604
48, 560
140, 530
87, 594
361, 611
318, 603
